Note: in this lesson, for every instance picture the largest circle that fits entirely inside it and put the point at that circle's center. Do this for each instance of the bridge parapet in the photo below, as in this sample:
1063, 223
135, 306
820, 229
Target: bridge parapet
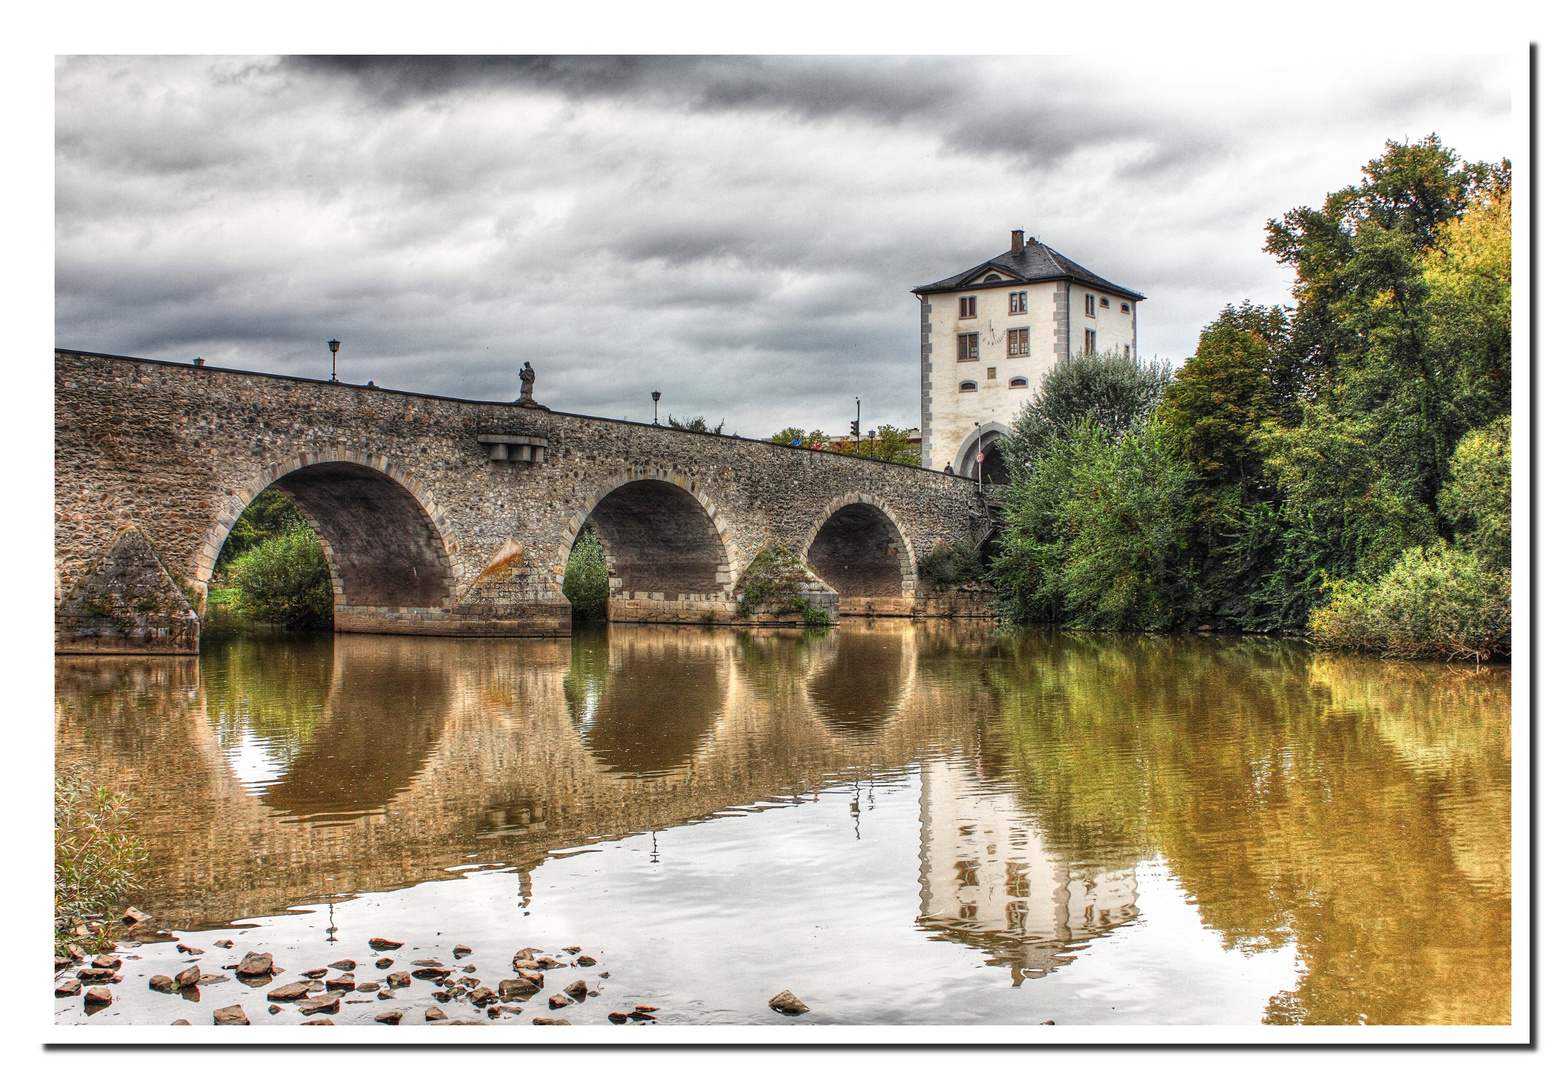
428, 531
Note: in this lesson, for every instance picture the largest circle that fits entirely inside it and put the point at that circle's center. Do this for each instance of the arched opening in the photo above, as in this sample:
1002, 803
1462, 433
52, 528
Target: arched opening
857, 553
660, 545
992, 470
383, 549
991, 467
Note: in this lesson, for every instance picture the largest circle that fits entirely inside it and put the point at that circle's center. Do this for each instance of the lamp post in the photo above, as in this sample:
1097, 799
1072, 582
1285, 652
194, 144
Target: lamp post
334, 345
656, 395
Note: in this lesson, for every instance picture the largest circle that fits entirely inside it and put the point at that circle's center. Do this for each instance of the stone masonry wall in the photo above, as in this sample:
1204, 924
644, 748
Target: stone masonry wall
180, 451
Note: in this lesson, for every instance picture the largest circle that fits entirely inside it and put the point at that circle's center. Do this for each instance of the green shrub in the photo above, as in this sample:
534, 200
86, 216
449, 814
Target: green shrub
774, 578
270, 514
946, 566
1434, 602
284, 581
586, 582
96, 856
1477, 500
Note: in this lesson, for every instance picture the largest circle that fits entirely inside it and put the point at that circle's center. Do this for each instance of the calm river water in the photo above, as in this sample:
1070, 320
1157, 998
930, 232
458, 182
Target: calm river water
901, 823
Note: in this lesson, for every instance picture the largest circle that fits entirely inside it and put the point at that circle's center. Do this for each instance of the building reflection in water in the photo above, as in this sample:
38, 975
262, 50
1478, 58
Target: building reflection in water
987, 880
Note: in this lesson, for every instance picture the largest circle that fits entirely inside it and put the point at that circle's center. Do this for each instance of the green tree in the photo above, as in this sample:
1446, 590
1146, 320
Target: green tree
890, 443
586, 582
285, 581
789, 434
271, 513
1111, 391
696, 423
1477, 500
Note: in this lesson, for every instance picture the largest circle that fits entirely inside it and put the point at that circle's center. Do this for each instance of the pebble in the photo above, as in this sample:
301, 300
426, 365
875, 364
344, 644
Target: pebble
433, 974
274, 1009
787, 1004
558, 1001
105, 961
323, 1022
69, 988
132, 915
482, 996
190, 949
95, 975
577, 990
344, 965
292, 992
585, 961
384, 962
383, 944
97, 997
367, 988
255, 964
399, 978
618, 1018
460, 951
224, 943
572, 949
432, 1013
230, 1015
393, 1018
517, 989
386, 995
189, 977
182, 1022
470, 967
541, 1020
441, 996
315, 973
324, 1003
342, 982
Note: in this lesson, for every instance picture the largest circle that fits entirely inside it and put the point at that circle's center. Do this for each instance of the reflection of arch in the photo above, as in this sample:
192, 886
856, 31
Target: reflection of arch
661, 535
981, 438
643, 706
853, 544
864, 682
384, 537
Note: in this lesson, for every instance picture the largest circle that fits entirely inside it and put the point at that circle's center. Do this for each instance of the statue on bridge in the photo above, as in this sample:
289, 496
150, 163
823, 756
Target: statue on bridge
528, 377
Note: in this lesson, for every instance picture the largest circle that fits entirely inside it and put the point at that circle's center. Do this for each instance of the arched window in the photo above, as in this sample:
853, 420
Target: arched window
967, 386
1019, 383
1126, 308
993, 277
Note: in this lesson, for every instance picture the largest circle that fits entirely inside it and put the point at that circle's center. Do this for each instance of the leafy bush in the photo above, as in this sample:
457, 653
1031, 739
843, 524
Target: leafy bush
96, 856
586, 582
1115, 393
696, 423
285, 581
270, 514
1477, 500
946, 566
774, 579
1435, 602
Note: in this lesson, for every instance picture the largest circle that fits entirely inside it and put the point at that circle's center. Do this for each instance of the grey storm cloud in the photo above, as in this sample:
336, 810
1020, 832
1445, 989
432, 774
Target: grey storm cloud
739, 233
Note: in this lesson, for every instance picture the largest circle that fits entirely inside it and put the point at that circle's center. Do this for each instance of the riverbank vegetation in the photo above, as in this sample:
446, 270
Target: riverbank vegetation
272, 570
97, 858
1340, 467
586, 582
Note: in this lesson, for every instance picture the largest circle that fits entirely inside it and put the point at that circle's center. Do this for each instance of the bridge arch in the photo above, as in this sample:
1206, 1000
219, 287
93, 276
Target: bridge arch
385, 539
983, 439
664, 538
858, 546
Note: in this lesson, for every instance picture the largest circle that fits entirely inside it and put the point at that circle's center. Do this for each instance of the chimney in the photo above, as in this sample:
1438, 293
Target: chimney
1016, 241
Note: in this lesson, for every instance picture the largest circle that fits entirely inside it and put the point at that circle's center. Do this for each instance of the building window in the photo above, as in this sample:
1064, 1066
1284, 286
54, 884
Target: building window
1090, 340
1126, 308
1103, 301
1019, 303
967, 307
992, 277
989, 373
1019, 383
1017, 342
1092, 308
967, 346
967, 386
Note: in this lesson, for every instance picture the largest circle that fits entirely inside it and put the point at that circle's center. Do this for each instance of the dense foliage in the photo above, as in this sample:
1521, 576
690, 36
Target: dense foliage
885, 443
1344, 454
696, 423
270, 514
775, 580
586, 582
96, 855
284, 581
946, 566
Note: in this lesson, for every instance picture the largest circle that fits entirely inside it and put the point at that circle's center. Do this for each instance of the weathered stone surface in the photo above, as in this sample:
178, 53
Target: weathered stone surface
482, 995
381, 944
189, 977
181, 1022
618, 1017
176, 451
274, 1009
341, 982
392, 1018
325, 1003
232, 1015
105, 960
787, 1004
344, 965
315, 973
97, 997
162, 984
189, 950
558, 1001
224, 943
207, 980
548, 963
384, 962
133, 915
554, 1020
433, 1013
399, 978
255, 964
322, 1022
432, 974
577, 990
367, 988
292, 992
385, 995
95, 975
126, 601
460, 951
585, 961
78, 954
69, 988
517, 989
441, 996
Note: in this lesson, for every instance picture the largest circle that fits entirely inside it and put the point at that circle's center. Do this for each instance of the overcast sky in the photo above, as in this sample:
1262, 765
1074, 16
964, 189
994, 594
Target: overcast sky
740, 234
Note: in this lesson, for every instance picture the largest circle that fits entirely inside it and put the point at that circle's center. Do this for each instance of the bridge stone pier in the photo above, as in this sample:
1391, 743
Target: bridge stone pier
449, 517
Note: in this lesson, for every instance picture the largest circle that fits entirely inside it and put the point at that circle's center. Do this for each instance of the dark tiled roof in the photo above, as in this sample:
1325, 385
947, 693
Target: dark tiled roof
1036, 262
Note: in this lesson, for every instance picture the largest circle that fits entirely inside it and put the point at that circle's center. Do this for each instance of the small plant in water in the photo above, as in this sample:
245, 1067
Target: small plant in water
97, 858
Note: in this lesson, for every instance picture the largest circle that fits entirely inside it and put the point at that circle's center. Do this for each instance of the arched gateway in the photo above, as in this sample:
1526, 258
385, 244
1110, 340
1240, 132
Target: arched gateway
449, 517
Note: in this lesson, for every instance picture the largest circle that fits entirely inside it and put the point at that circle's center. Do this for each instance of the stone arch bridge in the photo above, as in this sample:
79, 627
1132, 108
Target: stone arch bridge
450, 517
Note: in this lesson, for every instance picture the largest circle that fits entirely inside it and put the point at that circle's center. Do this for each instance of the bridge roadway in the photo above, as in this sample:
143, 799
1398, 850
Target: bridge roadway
450, 517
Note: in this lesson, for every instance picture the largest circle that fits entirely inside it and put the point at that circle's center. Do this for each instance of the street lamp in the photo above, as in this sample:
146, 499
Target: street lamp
334, 345
656, 395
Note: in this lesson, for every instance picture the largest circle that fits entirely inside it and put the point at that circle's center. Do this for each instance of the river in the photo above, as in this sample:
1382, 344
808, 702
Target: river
899, 822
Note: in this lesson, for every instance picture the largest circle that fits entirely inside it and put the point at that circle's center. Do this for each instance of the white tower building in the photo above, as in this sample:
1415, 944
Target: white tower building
987, 336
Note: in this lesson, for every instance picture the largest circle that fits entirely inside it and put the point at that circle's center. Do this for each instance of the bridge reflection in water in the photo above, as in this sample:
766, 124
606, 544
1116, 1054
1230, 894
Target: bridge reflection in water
1355, 811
